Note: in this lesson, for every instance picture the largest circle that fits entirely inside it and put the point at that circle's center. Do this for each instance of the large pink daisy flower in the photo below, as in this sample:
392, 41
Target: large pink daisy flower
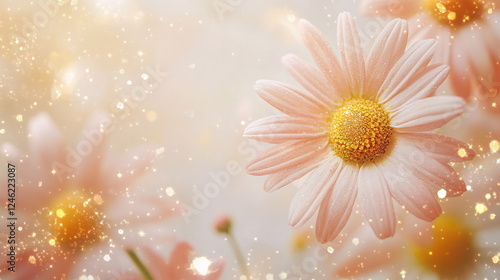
361, 128
468, 36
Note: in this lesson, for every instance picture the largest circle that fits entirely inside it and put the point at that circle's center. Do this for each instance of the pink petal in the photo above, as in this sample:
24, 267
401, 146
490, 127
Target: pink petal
428, 114
409, 190
437, 175
387, 49
280, 179
11, 153
279, 129
39, 194
310, 78
126, 170
336, 208
442, 54
290, 100
425, 84
460, 71
286, 155
307, 200
491, 28
324, 57
376, 200
440, 147
94, 136
215, 271
46, 144
414, 60
351, 52
155, 263
400, 8
179, 261
421, 27
477, 51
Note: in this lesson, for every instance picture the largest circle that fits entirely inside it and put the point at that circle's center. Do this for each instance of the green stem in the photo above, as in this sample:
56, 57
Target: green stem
239, 256
142, 268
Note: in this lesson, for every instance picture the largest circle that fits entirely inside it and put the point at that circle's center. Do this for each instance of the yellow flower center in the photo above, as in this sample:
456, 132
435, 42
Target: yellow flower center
76, 221
359, 130
455, 13
451, 249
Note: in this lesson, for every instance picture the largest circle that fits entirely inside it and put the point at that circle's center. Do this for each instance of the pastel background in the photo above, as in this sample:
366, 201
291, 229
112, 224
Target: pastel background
176, 79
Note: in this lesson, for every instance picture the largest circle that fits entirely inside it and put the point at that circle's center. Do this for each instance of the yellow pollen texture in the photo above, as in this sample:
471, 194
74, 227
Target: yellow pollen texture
359, 130
455, 13
75, 222
451, 248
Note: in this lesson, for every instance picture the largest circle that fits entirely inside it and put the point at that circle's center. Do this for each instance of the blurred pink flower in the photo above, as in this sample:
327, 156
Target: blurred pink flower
182, 265
66, 201
360, 127
468, 36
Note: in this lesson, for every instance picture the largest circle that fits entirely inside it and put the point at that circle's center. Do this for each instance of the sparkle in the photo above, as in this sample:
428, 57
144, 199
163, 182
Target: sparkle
98, 199
19, 118
496, 258
120, 105
403, 274
462, 152
77, 223
330, 249
355, 241
480, 208
170, 191
494, 146
441, 193
200, 265
60, 213
360, 131
106, 258
32, 260
455, 13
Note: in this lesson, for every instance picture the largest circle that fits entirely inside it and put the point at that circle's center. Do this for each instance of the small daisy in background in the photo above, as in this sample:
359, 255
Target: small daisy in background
70, 220
182, 264
468, 34
361, 128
